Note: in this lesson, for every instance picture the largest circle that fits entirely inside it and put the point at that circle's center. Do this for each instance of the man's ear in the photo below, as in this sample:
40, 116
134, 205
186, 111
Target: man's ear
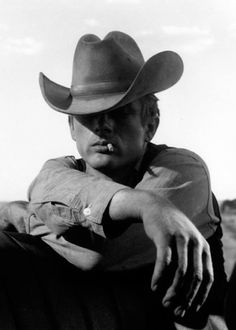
72, 127
151, 128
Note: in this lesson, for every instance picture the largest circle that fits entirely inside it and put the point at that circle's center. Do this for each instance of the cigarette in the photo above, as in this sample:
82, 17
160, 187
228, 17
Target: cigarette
110, 147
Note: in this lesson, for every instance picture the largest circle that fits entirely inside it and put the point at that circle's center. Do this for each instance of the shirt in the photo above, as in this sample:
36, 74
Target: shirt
68, 207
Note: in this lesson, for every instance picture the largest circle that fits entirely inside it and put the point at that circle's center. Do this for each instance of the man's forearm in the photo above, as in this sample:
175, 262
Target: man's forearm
135, 204
125, 204
145, 206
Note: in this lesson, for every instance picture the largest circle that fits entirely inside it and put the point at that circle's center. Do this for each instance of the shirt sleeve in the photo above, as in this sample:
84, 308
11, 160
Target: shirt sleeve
183, 178
63, 196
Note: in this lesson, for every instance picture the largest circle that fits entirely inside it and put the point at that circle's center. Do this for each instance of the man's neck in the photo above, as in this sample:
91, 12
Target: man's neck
121, 176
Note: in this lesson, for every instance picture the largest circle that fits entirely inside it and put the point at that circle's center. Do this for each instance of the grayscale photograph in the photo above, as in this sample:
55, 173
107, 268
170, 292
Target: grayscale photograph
118, 161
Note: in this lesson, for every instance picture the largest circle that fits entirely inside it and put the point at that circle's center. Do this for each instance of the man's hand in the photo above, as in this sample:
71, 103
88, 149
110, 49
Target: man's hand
183, 255
12, 215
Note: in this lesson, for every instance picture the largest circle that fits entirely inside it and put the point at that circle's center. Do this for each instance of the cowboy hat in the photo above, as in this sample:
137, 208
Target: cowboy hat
110, 73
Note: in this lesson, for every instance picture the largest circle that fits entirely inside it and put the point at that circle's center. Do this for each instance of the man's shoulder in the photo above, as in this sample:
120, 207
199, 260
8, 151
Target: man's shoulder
164, 152
170, 159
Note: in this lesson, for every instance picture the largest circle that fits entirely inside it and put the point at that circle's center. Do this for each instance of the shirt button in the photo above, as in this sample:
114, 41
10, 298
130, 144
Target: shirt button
87, 211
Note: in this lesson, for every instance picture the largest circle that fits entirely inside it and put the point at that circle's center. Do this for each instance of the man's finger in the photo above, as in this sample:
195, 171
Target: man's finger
202, 279
208, 278
196, 278
182, 256
163, 260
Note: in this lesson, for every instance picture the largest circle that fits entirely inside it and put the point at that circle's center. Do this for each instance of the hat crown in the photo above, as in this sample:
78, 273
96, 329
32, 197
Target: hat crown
108, 65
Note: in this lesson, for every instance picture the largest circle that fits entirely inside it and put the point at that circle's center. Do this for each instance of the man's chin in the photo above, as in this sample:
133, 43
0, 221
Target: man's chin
102, 161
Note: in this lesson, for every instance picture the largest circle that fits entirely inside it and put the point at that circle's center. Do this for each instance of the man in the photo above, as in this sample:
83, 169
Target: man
128, 208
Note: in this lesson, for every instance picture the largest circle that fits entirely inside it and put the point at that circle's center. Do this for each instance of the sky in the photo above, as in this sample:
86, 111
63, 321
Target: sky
198, 113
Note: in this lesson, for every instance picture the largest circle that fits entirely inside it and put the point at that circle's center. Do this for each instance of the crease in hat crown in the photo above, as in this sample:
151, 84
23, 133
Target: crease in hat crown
110, 73
104, 67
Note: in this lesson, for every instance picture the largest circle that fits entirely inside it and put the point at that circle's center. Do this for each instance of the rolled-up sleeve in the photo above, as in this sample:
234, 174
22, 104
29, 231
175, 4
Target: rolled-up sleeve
63, 197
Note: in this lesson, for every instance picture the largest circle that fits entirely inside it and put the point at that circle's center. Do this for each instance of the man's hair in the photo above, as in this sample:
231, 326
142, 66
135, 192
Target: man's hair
150, 108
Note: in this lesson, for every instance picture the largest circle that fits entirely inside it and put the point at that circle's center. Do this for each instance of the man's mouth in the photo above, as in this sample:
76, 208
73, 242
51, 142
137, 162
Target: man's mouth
104, 147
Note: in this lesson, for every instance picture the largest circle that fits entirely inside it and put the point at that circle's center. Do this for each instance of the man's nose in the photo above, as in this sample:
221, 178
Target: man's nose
104, 123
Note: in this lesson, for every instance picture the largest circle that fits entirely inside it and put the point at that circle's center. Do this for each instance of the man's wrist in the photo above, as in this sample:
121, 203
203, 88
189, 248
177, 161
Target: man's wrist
130, 204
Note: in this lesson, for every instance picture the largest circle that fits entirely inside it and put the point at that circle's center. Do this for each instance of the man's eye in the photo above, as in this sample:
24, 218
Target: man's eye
126, 111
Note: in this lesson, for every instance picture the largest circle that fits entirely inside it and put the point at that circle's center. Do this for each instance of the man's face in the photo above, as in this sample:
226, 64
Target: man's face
121, 128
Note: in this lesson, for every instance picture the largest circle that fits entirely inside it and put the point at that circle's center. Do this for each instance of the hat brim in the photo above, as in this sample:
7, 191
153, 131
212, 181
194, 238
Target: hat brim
159, 73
